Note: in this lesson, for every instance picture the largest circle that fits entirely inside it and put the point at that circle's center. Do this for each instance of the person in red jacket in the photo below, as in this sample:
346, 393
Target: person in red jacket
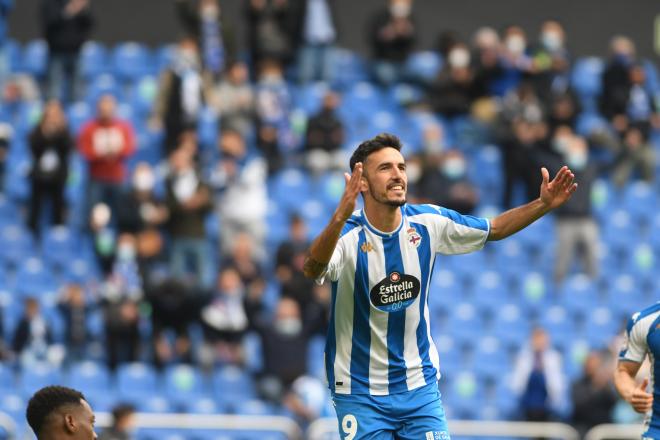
106, 143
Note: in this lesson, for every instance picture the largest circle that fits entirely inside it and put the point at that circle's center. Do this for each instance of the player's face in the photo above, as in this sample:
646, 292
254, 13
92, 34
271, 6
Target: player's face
385, 175
85, 422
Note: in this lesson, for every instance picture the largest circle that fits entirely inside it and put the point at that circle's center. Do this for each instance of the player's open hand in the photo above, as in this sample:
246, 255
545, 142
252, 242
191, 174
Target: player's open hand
641, 401
351, 192
561, 188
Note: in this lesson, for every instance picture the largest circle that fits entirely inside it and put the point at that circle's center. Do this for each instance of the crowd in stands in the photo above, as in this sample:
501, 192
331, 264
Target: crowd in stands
181, 194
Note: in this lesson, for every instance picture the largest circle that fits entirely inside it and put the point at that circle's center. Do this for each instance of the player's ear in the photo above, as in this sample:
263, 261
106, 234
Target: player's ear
70, 423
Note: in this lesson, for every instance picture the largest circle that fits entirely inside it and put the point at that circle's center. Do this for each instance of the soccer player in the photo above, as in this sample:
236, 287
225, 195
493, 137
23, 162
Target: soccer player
56, 413
642, 338
381, 363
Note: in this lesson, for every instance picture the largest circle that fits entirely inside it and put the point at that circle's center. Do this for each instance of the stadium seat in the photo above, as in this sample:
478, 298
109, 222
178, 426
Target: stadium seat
232, 386
511, 325
135, 381
34, 278
423, 67
309, 97
35, 58
286, 182
131, 60
93, 60
14, 405
34, 377
208, 128
182, 383
89, 376
350, 68
490, 290
104, 84
144, 95
586, 80
490, 359
578, 295
156, 403
255, 407
9, 213
7, 379
16, 244
59, 246
164, 56
13, 55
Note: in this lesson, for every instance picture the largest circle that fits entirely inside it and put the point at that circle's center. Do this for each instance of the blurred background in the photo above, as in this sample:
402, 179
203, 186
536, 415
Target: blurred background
165, 164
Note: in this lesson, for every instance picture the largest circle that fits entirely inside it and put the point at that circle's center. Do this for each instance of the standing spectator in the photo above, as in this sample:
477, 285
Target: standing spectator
516, 62
234, 100
33, 338
106, 142
593, 394
66, 25
616, 81
296, 243
203, 20
268, 143
273, 99
550, 62
325, 136
486, 61
123, 424
5, 8
538, 379
315, 36
392, 38
75, 310
188, 201
239, 181
269, 31
182, 93
140, 208
244, 260
50, 143
576, 228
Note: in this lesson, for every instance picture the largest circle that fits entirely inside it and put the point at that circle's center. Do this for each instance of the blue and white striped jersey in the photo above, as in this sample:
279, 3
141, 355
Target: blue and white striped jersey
379, 337
642, 338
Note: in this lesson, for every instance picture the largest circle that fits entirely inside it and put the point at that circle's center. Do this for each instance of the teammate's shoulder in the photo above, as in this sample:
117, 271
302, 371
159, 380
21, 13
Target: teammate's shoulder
644, 313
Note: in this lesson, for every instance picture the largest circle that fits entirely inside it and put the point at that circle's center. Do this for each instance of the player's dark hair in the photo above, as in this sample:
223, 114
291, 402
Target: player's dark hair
47, 400
383, 140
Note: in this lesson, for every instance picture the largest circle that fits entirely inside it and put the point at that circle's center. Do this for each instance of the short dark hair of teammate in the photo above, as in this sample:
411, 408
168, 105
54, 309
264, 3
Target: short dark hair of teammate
383, 140
60, 412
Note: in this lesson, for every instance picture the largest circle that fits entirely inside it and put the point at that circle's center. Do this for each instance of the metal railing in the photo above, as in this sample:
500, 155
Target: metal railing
612, 431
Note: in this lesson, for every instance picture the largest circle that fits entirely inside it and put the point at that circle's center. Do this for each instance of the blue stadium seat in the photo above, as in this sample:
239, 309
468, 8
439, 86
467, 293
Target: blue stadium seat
10, 214
182, 383
315, 357
89, 376
586, 79
231, 386
207, 128
144, 95
579, 294
7, 379
164, 57
104, 84
558, 323
309, 97
511, 325
78, 114
203, 405
287, 182
490, 290
131, 60
59, 246
38, 376
93, 60
34, 278
136, 381
465, 323
641, 201
13, 55
156, 403
625, 293
490, 359
16, 244
14, 405
601, 327
590, 122
255, 407
349, 67
35, 58
423, 67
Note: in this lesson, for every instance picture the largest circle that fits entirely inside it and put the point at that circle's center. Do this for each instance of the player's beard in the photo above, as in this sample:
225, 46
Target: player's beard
382, 198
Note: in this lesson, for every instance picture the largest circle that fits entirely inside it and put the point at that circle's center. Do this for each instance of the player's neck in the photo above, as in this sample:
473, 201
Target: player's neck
385, 218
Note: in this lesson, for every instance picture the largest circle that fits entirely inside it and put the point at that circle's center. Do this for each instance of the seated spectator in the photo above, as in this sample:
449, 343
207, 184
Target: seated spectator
268, 143
140, 209
182, 93
122, 292
538, 379
188, 202
315, 34
106, 142
225, 321
615, 80
204, 21
392, 37
295, 243
244, 260
239, 183
123, 424
444, 182
269, 30
104, 236
273, 99
75, 310
50, 144
516, 62
234, 100
593, 394
325, 137
33, 338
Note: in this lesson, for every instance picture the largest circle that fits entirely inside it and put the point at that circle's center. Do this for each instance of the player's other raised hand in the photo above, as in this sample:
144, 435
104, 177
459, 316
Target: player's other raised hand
554, 193
349, 198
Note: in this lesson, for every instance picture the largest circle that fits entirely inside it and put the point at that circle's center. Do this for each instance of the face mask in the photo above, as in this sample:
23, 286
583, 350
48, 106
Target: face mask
101, 215
414, 172
143, 181
560, 144
454, 168
576, 160
515, 44
400, 10
459, 58
186, 60
105, 242
210, 12
126, 252
551, 40
288, 326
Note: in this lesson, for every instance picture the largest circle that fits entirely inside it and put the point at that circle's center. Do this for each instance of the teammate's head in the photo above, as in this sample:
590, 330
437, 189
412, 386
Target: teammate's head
123, 417
56, 411
384, 170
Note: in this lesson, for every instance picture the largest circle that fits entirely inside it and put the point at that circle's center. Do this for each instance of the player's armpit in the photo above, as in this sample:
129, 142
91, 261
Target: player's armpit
313, 268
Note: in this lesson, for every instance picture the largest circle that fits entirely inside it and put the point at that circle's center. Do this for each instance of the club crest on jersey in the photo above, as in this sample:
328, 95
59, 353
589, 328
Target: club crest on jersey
366, 247
413, 237
395, 292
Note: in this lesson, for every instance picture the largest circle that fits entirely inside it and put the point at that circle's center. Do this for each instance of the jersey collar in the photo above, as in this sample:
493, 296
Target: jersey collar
381, 233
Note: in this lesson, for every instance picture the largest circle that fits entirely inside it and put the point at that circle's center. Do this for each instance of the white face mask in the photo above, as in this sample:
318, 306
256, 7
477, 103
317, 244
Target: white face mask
101, 215
400, 10
454, 168
144, 181
288, 326
515, 44
126, 252
459, 58
551, 40
414, 172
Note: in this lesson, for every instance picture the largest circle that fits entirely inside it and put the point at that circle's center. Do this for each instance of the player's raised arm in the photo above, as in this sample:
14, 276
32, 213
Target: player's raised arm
553, 194
635, 395
323, 246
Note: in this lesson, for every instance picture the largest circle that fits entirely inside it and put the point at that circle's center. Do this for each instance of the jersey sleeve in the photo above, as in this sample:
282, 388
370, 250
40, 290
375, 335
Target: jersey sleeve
334, 266
459, 234
634, 347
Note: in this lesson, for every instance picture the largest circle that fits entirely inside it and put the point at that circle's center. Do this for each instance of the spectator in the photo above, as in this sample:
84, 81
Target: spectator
188, 201
593, 394
641, 115
33, 338
66, 26
6, 135
123, 424
50, 143
122, 291
577, 230
239, 181
234, 100
295, 243
315, 35
269, 31
516, 63
203, 20
538, 379
325, 137
454, 91
103, 236
550, 62
269, 145
393, 35
273, 99
225, 321
106, 142
244, 261
182, 93
616, 80
486, 61
5, 8
140, 208
75, 311
444, 182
